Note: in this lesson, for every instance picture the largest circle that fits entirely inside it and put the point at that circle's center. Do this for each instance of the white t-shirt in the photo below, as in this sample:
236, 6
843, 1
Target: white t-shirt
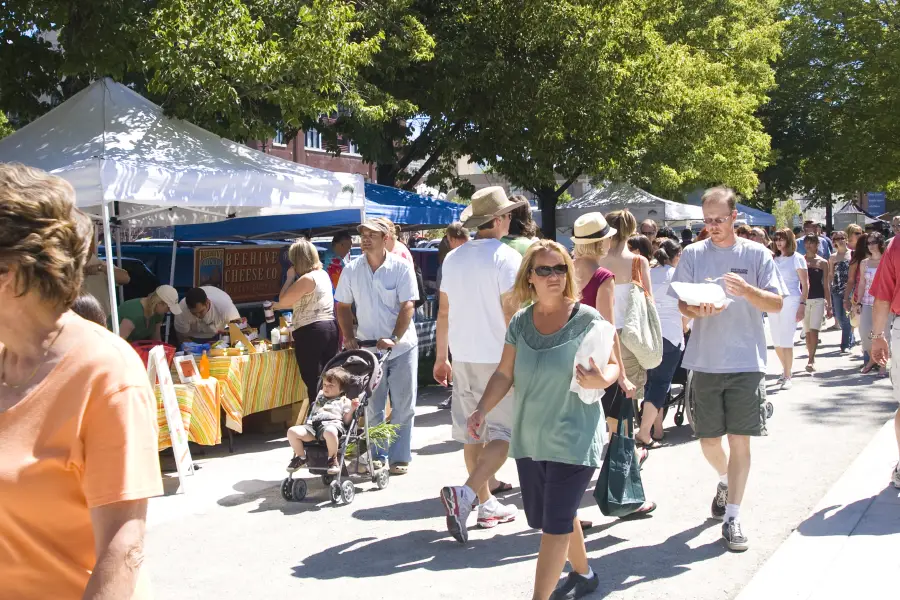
787, 267
221, 312
474, 276
666, 305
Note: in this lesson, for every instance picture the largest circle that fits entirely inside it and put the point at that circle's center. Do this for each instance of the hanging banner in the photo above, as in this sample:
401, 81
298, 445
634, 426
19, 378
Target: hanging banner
158, 372
877, 203
246, 273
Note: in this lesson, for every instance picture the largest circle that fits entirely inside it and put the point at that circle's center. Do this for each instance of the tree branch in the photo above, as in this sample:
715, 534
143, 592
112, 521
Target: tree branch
567, 184
435, 156
414, 148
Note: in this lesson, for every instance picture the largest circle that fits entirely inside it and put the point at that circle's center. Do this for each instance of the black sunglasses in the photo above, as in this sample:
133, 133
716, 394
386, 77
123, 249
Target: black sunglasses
545, 271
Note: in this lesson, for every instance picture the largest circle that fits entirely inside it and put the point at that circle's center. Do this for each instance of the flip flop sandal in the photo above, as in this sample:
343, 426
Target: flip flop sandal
502, 487
400, 469
644, 458
641, 513
651, 445
585, 525
659, 440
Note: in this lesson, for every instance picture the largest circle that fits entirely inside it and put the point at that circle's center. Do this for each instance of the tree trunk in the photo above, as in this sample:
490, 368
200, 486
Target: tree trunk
829, 214
547, 203
385, 174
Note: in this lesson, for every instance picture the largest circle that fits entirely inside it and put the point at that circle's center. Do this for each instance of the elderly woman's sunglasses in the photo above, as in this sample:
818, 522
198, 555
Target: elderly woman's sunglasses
545, 271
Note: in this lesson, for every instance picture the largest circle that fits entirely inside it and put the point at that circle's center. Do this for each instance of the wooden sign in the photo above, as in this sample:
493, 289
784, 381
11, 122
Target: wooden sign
246, 273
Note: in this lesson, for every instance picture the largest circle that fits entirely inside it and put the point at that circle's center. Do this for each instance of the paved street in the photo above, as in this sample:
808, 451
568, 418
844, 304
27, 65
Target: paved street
233, 536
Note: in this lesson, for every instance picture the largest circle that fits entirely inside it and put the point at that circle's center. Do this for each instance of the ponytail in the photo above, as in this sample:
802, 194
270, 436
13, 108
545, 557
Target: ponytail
667, 251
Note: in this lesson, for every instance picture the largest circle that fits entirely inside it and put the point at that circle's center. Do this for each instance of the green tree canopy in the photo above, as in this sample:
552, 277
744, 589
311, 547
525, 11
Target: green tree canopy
834, 117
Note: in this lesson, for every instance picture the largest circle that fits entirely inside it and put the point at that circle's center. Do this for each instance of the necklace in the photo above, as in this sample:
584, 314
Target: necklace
3, 382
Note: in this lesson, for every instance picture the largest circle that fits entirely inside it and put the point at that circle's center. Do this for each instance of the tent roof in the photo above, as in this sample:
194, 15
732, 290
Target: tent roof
113, 144
400, 206
755, 217
613, 196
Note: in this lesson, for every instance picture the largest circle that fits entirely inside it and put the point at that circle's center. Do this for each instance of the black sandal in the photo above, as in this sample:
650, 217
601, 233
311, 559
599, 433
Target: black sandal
502, 487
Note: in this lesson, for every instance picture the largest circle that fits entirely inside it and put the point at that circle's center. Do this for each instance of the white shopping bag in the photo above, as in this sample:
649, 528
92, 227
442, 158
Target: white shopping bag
597, 344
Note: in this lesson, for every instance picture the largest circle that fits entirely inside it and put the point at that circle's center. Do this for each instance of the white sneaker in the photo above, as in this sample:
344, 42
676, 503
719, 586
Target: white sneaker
780, 380
458, 501
492, 513
896, 477
787, 384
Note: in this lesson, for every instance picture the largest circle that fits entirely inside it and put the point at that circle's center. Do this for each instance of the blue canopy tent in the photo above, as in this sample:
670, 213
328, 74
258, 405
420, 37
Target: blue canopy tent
403, 208
754, 216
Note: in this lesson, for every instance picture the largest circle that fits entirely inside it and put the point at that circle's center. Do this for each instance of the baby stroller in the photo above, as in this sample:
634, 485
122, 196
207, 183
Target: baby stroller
677, 400
366, 369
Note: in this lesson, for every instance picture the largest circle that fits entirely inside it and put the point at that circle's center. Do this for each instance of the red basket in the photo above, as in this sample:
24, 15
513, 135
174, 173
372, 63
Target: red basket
143, 349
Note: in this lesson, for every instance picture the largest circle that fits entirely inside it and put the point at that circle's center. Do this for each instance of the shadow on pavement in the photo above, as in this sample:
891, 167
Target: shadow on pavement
436, 551
439, 448
834, 406
433, 419
874, 516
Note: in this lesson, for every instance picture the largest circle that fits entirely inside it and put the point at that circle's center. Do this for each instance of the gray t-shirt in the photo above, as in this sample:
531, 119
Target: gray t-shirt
733, 341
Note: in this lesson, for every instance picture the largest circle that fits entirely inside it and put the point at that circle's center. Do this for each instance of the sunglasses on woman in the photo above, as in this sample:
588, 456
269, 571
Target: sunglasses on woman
545, 271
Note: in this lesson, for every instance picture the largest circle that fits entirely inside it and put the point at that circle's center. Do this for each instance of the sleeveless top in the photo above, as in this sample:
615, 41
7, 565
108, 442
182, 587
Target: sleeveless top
816, 284
841, 275
868, 299
318, 305
590, 289
550, 422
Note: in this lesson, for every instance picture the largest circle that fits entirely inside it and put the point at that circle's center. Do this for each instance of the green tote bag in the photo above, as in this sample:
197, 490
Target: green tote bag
619, 490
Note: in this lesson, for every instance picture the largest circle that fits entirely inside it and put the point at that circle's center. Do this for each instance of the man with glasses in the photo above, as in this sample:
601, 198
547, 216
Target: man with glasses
383, 288
205, 313
649, 228
727, 351
475, 308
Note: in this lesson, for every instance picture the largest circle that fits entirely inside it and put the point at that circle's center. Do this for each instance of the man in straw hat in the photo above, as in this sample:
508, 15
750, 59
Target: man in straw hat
475, 309
383, 288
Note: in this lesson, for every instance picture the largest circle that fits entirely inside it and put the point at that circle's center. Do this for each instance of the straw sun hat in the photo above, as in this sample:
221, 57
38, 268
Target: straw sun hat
488, 203
591, 228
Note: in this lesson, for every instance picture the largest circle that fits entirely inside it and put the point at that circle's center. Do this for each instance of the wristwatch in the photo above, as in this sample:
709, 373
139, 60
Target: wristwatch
394, 338
876, 336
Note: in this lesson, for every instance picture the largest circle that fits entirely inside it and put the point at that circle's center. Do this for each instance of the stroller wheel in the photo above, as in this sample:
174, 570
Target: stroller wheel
287, 489
335, 490
348, 492
770, 410
382, 478
679, 418
299, 490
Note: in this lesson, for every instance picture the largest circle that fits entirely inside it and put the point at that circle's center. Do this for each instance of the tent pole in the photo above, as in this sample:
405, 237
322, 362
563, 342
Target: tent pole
110, 273
171, 282
119, 261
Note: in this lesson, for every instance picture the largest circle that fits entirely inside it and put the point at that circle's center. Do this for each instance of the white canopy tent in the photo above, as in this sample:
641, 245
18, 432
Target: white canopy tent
114, 145
617, 196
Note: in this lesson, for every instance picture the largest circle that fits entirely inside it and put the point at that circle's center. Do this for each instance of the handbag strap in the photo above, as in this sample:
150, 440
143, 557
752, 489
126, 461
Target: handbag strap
625, 424
637, 276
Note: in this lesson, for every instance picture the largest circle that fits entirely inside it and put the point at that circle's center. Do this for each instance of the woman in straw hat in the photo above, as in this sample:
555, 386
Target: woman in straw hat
556, 437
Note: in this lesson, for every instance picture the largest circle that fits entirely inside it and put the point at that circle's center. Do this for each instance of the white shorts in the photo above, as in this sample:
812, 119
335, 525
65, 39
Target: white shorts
895, 358
783, 325
814, 316
469, 382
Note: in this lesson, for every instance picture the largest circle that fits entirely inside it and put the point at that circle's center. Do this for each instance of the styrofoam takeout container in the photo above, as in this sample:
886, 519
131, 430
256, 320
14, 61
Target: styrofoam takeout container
696, 294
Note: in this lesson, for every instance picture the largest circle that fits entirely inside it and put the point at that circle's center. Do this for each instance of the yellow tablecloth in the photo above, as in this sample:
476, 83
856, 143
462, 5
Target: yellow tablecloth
257, 382
199, 404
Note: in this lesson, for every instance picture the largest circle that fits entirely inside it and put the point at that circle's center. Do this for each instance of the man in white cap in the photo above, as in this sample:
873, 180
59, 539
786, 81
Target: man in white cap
383, 287
142, 318
475, 309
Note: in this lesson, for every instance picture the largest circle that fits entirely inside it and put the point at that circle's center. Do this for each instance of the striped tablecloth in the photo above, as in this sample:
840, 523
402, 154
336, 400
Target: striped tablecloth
257, 382
199, 405
427, 332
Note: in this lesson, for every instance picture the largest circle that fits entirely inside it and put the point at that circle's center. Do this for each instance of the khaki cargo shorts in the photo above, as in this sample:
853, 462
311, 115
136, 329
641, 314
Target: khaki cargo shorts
728, 403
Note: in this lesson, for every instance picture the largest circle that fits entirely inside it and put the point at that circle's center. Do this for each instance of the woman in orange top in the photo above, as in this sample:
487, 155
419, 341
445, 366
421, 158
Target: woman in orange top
78, 448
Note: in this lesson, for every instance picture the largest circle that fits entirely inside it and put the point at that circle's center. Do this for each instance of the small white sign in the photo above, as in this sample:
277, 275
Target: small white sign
158, 371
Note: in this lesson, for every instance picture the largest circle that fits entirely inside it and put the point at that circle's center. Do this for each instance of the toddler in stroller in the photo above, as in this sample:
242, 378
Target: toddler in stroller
330, 415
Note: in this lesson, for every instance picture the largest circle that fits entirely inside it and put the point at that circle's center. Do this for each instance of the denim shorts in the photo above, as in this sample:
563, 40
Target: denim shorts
552, 493
659, 379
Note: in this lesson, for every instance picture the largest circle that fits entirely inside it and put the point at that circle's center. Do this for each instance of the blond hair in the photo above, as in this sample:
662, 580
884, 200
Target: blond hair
720, 194
523, 289
623, 222
304, 256
596, 249
43, 237
853, 228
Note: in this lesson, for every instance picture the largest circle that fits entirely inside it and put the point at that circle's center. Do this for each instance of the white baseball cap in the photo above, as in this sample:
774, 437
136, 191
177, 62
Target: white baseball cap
169, 295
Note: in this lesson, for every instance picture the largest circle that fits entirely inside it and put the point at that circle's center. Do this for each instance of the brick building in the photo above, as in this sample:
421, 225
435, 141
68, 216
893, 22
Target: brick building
307, 149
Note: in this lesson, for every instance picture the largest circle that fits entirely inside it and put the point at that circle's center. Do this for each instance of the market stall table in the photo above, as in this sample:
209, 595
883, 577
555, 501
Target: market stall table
199, 404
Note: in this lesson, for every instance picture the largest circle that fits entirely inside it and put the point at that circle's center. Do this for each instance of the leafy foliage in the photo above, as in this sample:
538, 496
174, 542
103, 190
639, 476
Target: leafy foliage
5, 127
785, 212
833, 117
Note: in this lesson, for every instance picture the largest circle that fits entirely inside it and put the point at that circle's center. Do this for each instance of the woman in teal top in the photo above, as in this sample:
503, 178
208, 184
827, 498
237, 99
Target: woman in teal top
556, 437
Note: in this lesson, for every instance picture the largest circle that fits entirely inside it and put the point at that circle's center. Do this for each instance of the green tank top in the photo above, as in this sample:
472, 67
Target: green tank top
550, 422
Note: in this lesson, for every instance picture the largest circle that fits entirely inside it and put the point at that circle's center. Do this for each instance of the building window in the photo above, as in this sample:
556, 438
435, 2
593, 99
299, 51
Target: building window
314, 140
278, 140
